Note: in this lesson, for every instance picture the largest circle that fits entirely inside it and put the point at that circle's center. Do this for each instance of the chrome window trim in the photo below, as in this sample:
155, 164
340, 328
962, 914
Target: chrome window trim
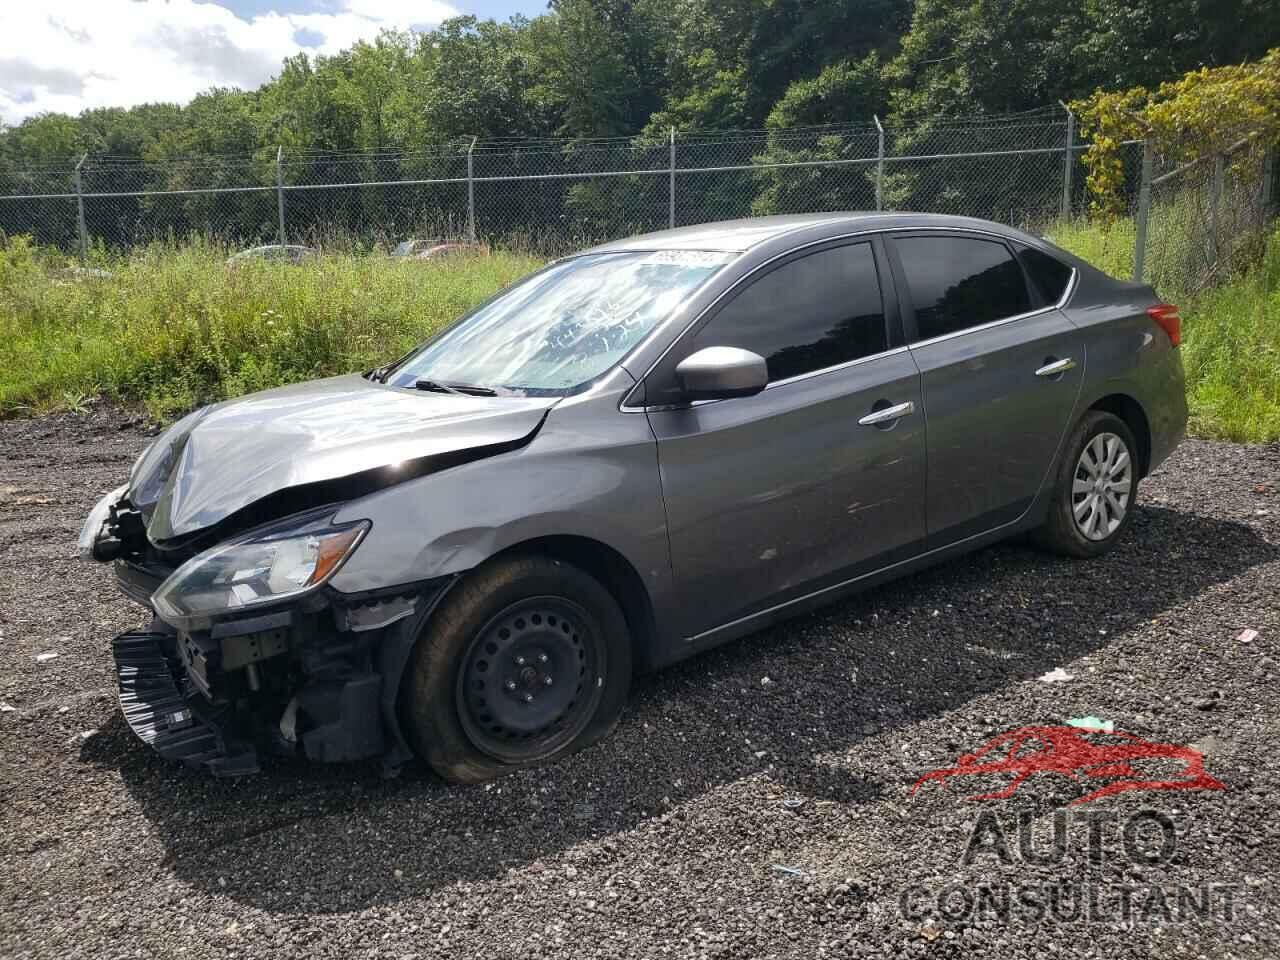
624, 407
836, 367
980, 327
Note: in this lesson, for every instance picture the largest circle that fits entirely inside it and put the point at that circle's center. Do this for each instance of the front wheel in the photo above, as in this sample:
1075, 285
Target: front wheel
1095, 490
527, 660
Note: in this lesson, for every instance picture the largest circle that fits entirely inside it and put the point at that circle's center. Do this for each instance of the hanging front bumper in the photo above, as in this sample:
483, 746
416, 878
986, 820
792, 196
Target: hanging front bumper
318, 680
151, 684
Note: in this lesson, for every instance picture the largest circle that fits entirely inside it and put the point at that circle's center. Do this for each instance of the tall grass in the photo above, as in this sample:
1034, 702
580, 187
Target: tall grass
173, 326
1231, 353
1230, 333
1108, 248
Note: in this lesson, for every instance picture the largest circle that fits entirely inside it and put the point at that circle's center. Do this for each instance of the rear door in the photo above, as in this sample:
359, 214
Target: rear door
778, 495
1001, 370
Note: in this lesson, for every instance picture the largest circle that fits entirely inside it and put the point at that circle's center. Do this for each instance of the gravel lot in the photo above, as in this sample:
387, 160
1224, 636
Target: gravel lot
794, 749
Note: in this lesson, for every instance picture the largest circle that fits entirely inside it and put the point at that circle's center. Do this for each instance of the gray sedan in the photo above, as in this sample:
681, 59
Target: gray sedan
634, 454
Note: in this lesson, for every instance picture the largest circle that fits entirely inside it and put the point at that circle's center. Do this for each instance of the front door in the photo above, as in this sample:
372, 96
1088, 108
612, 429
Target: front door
775, 496
1001, 371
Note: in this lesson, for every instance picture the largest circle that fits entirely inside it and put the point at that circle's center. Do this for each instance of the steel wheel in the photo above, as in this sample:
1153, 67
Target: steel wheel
527, 685
1100, 488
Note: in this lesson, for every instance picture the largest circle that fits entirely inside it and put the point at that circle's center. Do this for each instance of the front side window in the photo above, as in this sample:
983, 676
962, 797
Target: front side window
959, 282
818, 311
557, 330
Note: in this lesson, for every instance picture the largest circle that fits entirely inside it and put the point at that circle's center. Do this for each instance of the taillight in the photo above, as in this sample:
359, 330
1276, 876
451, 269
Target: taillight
1166, 314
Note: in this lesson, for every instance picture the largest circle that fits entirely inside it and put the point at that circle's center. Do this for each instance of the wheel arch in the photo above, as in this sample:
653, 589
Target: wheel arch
1130, 411
614, 571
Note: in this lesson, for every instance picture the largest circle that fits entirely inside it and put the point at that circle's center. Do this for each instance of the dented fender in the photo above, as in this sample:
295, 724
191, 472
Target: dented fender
590, 473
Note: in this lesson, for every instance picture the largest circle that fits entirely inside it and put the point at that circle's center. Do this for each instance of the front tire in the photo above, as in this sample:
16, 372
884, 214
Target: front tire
527, 660
1095, 489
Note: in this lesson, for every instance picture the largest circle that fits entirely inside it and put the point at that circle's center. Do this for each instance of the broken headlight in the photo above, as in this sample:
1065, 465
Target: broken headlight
278, 562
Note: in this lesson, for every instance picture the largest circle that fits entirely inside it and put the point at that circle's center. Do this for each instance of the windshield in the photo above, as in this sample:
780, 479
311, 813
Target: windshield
561, 328
404, 248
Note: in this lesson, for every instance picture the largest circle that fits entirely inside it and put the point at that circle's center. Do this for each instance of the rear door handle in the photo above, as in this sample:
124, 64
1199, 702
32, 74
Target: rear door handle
1056, 367
888, 414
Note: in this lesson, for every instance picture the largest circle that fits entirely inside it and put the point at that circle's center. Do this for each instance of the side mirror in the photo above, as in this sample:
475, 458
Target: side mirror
717, 373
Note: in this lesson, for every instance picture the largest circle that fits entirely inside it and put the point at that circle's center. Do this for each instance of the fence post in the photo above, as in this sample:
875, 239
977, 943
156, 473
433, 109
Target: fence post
471, 192
671, 185
80, 227
879, 165
280, 194
1144, 213
1215, 202
1068, 161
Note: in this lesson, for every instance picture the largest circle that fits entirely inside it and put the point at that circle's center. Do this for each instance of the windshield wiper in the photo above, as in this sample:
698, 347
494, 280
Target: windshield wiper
461, 389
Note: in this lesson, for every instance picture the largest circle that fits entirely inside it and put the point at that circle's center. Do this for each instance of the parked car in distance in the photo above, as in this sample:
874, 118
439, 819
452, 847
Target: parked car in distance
437, 249
275, 253
636, 453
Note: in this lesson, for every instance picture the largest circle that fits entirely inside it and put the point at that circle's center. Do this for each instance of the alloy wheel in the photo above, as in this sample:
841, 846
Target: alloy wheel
1101, 485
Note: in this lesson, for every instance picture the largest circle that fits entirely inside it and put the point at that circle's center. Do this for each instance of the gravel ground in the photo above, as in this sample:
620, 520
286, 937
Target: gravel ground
755, 801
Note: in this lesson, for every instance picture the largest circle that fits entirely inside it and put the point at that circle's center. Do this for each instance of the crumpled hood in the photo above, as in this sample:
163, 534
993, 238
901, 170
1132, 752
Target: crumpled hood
230, 455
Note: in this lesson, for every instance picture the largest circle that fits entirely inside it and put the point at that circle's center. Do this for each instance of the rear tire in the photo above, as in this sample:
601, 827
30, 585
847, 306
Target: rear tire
527, 660
1095, 488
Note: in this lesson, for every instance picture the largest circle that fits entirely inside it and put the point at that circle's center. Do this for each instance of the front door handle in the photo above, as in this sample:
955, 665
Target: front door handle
888, 414
1056, 368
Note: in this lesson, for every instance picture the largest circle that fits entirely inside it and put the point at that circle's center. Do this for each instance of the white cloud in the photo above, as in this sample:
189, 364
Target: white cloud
72, 55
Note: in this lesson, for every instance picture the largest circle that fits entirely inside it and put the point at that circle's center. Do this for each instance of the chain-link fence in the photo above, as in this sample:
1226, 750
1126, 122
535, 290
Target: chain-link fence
1190, 223
1199, 222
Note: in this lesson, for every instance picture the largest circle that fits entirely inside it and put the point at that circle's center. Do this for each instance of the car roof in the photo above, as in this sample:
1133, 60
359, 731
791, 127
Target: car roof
738, 236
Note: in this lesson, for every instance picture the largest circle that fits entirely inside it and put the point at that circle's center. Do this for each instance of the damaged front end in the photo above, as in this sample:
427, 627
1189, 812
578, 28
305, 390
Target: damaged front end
251, 650
221, 533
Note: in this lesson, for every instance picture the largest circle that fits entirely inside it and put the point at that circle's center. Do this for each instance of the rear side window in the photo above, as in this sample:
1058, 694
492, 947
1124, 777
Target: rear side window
818, 311
1047, 273
959, 282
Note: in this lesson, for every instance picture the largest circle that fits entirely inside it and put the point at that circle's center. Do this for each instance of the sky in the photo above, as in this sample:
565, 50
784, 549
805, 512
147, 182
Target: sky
72, 55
